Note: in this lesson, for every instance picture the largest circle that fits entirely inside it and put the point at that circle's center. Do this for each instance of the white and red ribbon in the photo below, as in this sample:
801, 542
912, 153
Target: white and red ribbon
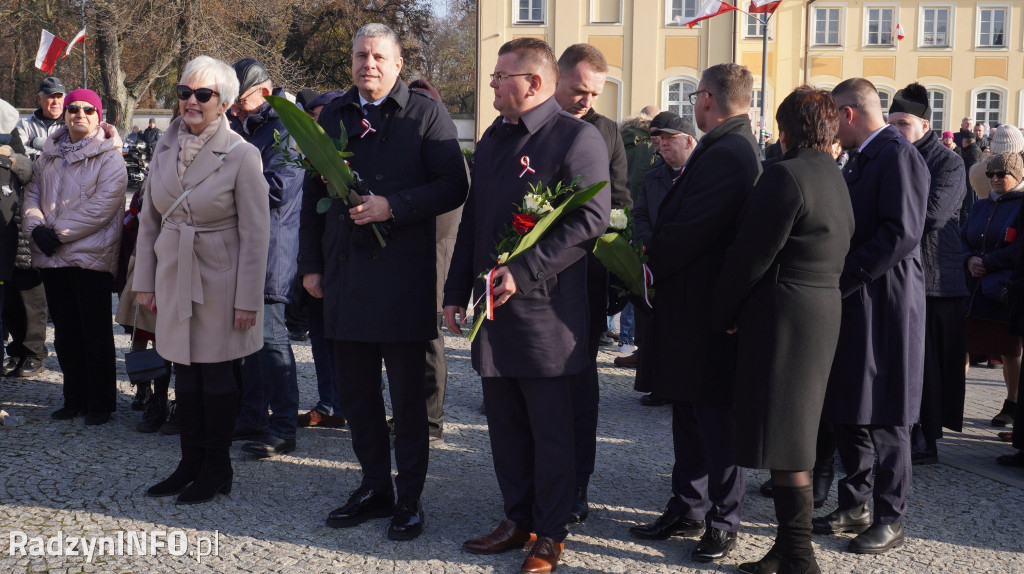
489, 310
525, 162
648, 281
368, 128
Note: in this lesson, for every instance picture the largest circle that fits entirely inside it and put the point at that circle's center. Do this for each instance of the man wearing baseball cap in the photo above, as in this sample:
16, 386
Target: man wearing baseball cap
45, 120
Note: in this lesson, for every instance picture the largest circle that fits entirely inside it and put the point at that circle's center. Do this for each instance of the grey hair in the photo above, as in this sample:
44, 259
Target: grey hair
219, 73
377, 30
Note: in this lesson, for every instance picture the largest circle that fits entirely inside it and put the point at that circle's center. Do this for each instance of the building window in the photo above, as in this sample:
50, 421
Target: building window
988, 107
755, 26
991, 25
605, 11
678, 10
885, 97
530, 12
755, 99
880, 26
675, 97
935, 26
826, 26
937, 100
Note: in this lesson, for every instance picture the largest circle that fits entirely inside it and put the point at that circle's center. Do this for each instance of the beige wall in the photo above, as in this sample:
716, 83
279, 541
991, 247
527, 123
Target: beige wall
644, 52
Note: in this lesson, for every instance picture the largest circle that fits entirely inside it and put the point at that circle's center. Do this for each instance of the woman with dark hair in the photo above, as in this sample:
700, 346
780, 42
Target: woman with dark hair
779, 292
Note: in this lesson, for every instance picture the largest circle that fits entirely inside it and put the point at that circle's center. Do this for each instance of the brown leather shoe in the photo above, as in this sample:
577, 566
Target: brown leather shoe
315, 418
543, 557
506, 536
628, 362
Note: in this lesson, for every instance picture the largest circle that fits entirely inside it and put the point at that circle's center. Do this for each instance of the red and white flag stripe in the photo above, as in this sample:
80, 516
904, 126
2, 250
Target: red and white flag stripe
50, 47
764, 6
79, 37
709, 9
900, 34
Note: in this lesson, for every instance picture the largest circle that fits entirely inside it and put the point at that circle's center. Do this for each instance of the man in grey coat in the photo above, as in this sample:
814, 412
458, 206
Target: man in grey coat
874, 390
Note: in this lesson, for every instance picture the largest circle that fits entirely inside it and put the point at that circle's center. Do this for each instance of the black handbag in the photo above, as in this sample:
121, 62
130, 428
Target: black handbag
146, 365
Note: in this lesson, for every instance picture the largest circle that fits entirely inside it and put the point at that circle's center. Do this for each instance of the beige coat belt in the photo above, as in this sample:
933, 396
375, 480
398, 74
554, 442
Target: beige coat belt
186, 252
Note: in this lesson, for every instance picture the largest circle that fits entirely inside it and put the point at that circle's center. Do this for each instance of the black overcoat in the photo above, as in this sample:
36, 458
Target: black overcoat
780, 286
541, 331
695, 226
385, 294
878, 369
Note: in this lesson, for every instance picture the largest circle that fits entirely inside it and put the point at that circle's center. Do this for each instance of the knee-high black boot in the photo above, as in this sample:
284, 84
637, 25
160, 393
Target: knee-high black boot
216, 474
190, 412
794, 507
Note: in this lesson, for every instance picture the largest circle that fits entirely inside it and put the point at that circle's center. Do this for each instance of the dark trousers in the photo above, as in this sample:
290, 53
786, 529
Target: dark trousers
435, 379
706, 483
945, 344
889, 482
359, 392
586, 391
208, 378
530, 424
83, 336
24, 314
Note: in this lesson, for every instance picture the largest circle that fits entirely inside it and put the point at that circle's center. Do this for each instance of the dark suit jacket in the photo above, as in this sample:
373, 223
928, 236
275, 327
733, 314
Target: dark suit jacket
653, 188
877, 372
541, 331
617, 167
695, 226
385, 294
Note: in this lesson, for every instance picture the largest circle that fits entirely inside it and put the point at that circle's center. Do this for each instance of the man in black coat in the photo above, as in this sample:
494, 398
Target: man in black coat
942, 398
532, 352
966, 129
874, 390
582, 70
379, 302
694, 228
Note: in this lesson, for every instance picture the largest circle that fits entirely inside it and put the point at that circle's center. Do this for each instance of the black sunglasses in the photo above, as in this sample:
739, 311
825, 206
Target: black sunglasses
73, 110
999, 174
203, 95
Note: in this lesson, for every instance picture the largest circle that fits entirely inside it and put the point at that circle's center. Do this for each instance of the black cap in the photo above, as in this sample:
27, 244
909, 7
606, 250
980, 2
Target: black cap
306, 96
325, 98
912, 100
250, 73
669, 123
51, 86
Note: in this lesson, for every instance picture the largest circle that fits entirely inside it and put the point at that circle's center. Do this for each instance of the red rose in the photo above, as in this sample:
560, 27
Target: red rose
523, 223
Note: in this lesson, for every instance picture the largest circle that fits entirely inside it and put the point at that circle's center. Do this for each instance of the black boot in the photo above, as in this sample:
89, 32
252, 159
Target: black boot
142, 394
154, 416
171, 425
794, 507
821, 479
219, 413
190, 409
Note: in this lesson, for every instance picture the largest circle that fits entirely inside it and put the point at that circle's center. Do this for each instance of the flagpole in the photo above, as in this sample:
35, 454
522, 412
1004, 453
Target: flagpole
764, 76
85, 70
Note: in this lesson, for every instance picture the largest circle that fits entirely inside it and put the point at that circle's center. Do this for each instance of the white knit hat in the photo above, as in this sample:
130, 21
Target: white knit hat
1007, 139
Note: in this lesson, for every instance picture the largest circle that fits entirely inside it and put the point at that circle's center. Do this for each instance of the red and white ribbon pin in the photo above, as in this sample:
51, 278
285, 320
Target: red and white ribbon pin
369, 129
489, 301
648, 281
525, 162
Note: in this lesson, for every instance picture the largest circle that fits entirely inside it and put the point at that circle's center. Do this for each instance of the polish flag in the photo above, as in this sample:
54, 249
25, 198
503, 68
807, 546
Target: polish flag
79, 37
764, 6
900, 34
709, 9
50, 47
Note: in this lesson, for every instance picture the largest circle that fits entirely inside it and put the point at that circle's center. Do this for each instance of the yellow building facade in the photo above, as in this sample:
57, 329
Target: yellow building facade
970, 55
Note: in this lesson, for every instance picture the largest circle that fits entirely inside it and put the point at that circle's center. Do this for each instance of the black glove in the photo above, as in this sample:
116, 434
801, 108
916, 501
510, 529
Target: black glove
47, 240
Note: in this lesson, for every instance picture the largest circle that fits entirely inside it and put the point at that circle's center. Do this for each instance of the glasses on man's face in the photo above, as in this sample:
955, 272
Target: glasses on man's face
202, 95
241, 100
693, 96
497, 78
87, 110
996, 174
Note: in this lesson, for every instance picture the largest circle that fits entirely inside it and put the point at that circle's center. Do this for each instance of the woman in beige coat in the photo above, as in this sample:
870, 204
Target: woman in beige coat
200, 263
72, 214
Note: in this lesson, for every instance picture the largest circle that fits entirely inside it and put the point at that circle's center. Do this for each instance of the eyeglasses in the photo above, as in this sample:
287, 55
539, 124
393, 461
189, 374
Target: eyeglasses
203, 95
73, 110
998, 174
242, 99
497, 78
693, 96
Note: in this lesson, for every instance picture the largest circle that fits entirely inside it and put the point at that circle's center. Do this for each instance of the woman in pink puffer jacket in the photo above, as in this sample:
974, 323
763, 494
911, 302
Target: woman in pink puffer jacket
72, 213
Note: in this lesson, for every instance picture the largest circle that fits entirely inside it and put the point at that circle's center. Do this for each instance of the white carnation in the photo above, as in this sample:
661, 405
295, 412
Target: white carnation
618, 220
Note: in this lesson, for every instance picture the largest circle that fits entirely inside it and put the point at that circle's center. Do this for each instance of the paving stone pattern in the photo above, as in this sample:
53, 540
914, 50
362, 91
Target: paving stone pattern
61, 477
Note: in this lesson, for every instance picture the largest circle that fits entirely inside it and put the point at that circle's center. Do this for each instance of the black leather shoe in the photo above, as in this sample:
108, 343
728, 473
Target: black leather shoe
99, 418
28, 366
878, 539
580, 509
407, 523
12, 365
668, 524
714, 545
854, 520
65, 413
363, 504
1015, 459
269, 445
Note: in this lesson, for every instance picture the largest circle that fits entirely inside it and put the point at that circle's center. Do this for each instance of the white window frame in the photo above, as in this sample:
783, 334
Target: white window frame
840, 33
670, 21
945, 109
617, 22
1003, 101
892, 26
950, 21
748, 20
889, 93
684, 103
1007, 14
516, 21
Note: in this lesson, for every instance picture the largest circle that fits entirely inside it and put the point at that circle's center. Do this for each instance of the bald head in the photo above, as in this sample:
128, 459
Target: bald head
860, 111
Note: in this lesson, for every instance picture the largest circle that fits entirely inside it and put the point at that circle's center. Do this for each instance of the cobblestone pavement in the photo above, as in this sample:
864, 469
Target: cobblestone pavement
60, 478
